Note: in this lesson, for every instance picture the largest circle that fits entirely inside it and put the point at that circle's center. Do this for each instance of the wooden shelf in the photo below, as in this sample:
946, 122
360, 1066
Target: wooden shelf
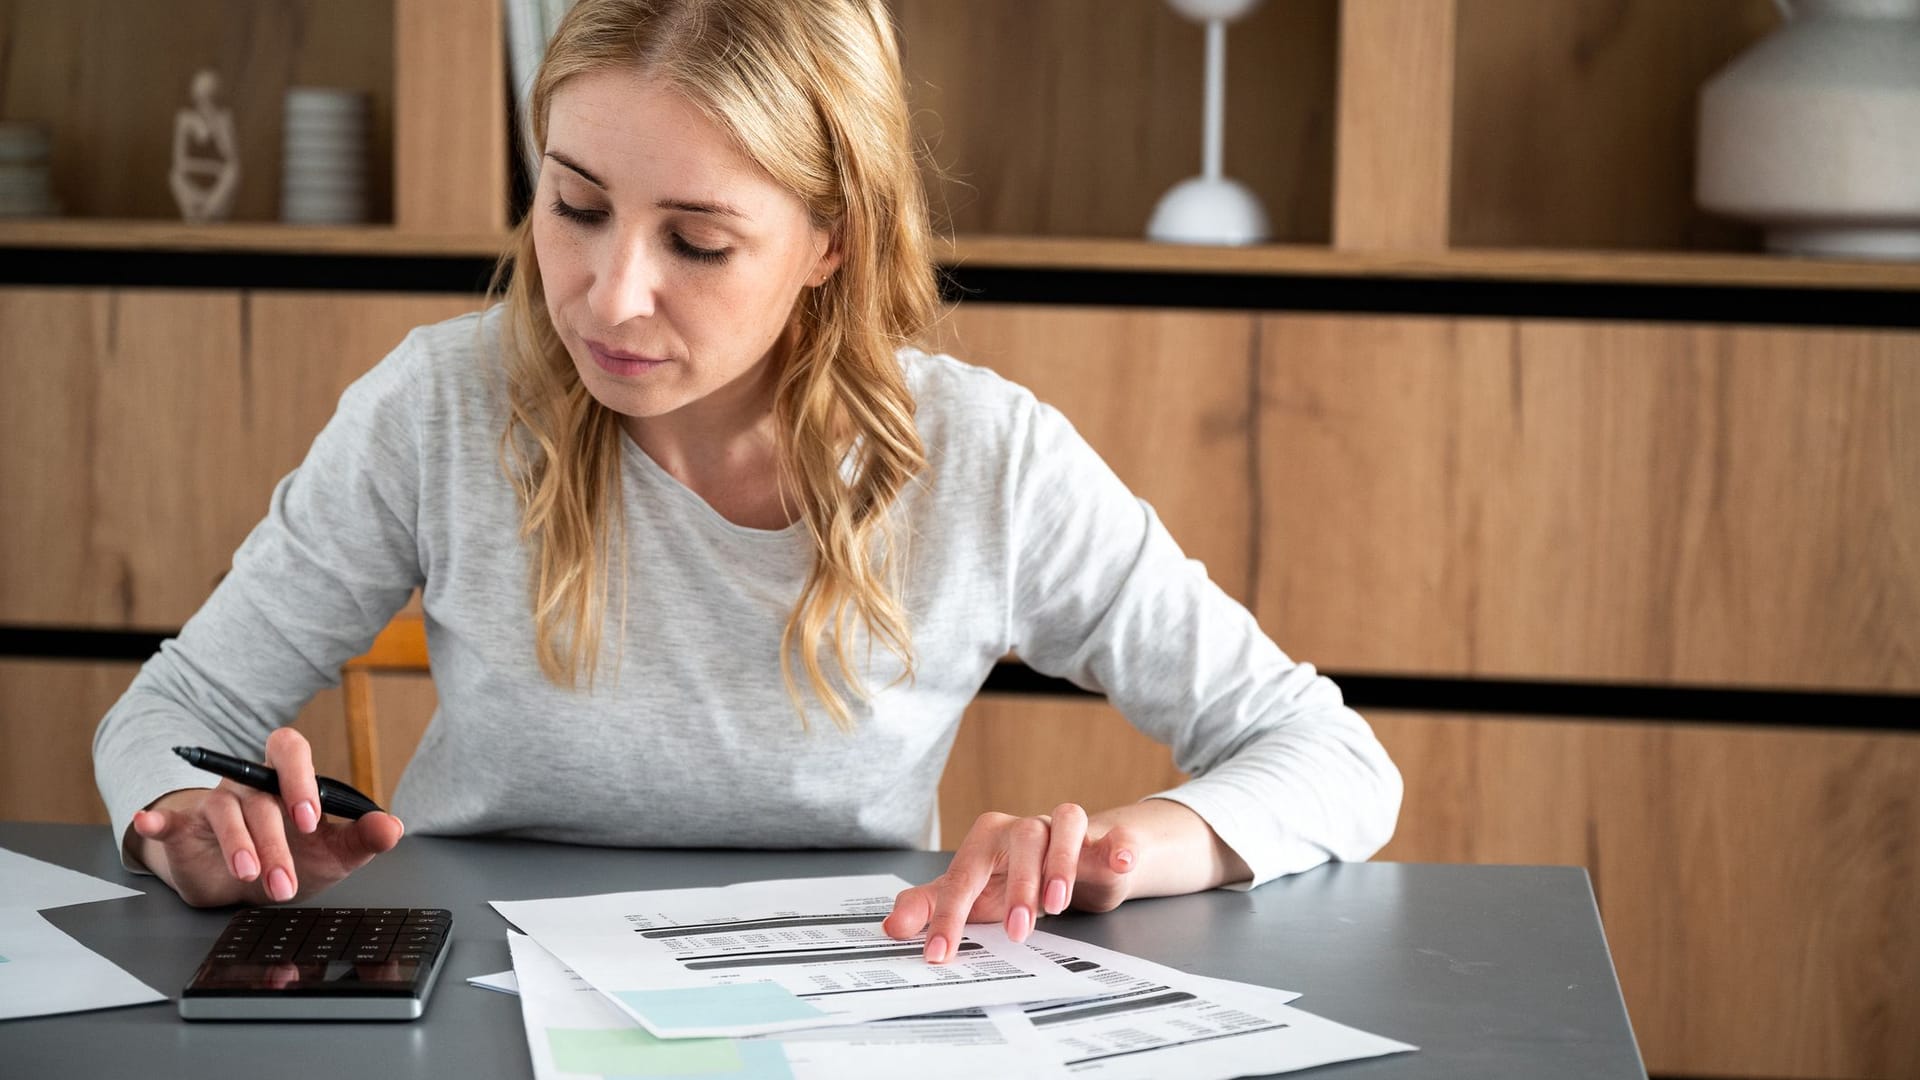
1047, 253
248, 236
1594, 267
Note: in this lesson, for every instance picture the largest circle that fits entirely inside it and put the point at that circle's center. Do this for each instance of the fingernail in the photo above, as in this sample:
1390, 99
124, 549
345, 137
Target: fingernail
279, 886
244, 867
1124, 858
304, 816
1019, 921
936, 949
1056, 896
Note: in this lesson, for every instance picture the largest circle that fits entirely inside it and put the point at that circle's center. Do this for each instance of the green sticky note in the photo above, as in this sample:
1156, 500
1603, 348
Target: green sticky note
633, 1052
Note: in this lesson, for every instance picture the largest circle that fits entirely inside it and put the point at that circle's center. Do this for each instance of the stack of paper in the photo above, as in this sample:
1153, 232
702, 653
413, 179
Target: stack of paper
42, 970
795, 979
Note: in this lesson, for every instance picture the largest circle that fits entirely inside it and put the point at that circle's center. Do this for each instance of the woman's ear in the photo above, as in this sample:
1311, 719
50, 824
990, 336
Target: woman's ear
829, 261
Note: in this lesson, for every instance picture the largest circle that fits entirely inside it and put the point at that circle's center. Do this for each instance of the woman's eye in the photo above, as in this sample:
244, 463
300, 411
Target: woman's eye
698, 254
680, 244
574, 213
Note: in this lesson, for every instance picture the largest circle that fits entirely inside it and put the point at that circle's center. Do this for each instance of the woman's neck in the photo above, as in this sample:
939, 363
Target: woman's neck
724, 448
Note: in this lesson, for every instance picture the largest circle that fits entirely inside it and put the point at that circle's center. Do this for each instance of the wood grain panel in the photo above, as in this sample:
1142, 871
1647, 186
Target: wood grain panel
305, 348
1021, 754
48, 710
1592, 500
1575, 121
450, 117
1741, 873
1394, 146
107, 77
1073, 117
124, 492
159, 427
1162, 396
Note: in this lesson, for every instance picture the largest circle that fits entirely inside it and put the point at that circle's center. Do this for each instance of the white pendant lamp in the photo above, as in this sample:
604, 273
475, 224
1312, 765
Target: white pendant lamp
1210, 208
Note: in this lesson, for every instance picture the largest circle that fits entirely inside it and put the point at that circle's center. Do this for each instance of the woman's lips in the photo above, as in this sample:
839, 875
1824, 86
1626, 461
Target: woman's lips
622, 364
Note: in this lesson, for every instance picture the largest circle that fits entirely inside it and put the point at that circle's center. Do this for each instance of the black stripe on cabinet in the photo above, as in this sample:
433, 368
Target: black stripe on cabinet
1827, 710
1750, 305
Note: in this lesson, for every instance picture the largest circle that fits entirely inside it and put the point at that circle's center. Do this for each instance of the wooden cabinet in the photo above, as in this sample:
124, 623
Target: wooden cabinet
1595, 501
146, 429
1741, 873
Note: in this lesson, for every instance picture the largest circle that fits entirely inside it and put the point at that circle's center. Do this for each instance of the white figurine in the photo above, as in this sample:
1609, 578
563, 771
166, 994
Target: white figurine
193, 130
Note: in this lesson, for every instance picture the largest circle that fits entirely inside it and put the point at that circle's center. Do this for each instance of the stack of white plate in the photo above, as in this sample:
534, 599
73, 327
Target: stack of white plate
24, 187
323, 175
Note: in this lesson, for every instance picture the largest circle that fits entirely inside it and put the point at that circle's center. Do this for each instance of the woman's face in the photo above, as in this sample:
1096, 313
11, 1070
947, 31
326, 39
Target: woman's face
670, 262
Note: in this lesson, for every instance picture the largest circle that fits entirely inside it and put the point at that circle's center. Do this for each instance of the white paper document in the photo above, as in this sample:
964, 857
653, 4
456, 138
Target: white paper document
1150, 1021
573, 1031
769, 956
43, 971
27, 882
500, 982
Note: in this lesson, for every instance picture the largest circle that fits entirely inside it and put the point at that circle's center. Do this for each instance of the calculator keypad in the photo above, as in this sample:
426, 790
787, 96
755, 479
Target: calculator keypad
333, 935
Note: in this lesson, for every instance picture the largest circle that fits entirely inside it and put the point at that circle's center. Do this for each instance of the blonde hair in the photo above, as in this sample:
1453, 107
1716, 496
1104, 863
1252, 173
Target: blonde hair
812, 92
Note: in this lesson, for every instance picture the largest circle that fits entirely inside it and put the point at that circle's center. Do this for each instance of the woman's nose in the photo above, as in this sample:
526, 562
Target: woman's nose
625, 283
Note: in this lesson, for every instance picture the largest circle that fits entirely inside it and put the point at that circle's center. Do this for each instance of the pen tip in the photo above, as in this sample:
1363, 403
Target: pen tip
181, 750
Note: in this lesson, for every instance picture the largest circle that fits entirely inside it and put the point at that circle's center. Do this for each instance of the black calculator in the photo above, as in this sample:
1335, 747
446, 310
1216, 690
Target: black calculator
321, 963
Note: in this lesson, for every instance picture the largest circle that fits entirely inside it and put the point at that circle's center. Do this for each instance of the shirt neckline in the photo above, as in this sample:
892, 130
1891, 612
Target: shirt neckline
701, 507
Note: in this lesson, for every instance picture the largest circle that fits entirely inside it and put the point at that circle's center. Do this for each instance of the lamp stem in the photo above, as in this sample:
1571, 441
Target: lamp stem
1216, 99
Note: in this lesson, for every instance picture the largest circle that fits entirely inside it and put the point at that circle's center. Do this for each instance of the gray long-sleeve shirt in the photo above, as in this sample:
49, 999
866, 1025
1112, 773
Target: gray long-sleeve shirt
1020, 539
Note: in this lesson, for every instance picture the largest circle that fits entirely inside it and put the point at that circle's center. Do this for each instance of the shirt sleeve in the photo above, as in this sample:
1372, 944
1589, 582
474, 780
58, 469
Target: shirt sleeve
311, 586
1281, 769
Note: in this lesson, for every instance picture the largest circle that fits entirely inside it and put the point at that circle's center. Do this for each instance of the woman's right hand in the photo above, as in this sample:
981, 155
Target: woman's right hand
232, 844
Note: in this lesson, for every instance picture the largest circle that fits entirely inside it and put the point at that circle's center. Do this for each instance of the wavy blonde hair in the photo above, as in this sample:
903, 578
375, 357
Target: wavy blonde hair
812, 92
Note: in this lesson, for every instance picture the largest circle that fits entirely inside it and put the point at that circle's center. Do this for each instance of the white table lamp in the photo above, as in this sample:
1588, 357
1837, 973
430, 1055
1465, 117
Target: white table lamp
1210, 208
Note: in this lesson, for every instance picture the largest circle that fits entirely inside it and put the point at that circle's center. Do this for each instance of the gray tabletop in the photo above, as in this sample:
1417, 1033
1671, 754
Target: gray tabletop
1493, 971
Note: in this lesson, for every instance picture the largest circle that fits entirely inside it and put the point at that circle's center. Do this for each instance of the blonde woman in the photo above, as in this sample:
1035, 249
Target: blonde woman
709, 553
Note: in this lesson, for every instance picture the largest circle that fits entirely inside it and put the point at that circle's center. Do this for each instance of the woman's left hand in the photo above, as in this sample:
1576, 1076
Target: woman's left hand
1011, 869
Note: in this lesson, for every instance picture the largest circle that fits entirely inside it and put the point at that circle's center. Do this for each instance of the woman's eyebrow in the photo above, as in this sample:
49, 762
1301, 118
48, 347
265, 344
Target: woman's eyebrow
719, 209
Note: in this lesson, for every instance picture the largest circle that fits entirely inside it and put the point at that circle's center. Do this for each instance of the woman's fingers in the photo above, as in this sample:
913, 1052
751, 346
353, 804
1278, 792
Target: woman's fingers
1068, 834
954, 892
290, 755
269, 831
1105, 868
354, 843
152, 824
1025, 857
912, 910
227, 822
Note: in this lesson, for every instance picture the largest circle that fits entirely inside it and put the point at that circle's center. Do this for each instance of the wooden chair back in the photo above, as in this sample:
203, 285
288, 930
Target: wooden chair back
402, 646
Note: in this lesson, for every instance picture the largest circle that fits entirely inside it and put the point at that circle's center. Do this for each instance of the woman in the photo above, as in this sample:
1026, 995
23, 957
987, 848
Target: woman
690, 450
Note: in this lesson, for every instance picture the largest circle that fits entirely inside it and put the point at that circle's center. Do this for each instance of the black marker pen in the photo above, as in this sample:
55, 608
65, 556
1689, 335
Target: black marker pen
336, 797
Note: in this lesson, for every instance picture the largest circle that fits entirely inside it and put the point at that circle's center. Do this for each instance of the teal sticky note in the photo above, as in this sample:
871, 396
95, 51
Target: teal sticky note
718, 1006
